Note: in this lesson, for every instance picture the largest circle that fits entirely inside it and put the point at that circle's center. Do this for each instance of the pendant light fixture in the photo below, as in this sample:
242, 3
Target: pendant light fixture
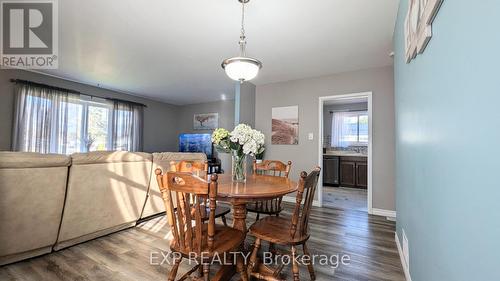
242, 68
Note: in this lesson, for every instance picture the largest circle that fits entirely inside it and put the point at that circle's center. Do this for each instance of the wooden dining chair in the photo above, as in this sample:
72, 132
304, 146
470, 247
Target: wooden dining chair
272, 168
192, 236
200, 168
288, 231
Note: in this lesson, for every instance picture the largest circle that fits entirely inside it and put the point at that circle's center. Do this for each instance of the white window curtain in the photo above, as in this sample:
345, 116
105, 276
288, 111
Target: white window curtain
339, 129
41, 119
51, 120
126, 128
349, 129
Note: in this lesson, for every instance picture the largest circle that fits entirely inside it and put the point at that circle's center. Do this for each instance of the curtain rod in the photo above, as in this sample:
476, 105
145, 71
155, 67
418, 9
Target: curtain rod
71, 91
353, 110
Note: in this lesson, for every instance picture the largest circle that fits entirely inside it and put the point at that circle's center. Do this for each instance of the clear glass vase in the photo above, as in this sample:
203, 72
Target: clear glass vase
239, 167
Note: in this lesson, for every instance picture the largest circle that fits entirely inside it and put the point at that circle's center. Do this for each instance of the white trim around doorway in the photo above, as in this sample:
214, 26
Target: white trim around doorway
322, 100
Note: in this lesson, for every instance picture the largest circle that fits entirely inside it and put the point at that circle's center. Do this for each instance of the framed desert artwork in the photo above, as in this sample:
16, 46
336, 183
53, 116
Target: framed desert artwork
206, 121
285, 125
418, 26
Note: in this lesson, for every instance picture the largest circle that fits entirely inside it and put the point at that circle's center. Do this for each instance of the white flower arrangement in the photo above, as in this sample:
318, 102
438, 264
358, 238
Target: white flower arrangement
243, 140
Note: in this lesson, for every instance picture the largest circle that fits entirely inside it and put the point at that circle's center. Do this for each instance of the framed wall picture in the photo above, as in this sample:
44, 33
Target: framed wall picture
285, 125
418, 26
206, 121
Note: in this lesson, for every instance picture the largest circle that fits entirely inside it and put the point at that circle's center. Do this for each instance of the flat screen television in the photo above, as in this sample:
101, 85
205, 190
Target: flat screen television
196, 143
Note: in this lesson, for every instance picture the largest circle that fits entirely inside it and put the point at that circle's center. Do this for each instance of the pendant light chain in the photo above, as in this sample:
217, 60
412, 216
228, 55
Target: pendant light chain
243, 41
243, 18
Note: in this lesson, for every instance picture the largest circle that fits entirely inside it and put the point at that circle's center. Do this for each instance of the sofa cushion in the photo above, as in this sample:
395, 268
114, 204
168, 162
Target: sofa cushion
106, 191
32, 188
96, 157
154, 203
32, 160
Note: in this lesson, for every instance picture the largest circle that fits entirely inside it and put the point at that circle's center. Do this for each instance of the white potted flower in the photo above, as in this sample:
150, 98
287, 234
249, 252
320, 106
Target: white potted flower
242, 141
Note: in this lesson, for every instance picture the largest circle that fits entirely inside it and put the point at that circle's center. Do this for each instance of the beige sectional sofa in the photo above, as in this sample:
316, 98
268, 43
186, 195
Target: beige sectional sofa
49, 202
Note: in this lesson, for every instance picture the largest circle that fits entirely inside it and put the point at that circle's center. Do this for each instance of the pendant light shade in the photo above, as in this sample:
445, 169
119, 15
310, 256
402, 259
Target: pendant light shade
242, 68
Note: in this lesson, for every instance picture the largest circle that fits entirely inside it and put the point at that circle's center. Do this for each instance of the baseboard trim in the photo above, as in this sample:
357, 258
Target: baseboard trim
383, 213
401, 257
292, 200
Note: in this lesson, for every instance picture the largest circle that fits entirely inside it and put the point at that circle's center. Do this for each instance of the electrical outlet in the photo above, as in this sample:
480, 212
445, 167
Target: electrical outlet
406, 250
311, 136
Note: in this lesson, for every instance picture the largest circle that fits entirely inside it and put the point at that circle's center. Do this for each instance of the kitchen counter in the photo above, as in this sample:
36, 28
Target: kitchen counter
345, 154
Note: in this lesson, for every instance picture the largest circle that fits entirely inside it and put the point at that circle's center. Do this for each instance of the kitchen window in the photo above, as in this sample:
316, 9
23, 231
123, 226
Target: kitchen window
349, 129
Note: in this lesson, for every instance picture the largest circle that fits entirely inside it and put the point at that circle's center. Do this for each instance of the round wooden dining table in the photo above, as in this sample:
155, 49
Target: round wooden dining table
256, 188
238, 194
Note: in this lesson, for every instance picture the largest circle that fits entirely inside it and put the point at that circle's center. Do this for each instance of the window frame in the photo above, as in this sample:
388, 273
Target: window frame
86, 102
358, 143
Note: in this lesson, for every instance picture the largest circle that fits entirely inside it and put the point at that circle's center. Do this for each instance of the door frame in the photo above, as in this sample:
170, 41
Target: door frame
369, 96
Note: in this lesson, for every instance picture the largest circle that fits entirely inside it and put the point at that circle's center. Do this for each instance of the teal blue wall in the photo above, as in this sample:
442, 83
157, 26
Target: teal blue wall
448, 144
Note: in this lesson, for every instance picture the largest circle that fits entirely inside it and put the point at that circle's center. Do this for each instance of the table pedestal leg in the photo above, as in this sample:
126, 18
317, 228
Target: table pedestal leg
239, 222
240, 216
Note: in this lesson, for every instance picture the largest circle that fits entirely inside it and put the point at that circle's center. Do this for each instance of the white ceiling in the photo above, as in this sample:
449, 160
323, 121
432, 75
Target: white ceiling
171, 50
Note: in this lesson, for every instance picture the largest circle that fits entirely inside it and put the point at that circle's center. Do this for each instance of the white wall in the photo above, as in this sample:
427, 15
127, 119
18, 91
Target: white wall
306, 93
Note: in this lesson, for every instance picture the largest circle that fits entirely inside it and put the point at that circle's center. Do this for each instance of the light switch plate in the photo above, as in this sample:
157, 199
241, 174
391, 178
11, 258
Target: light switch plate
311, 136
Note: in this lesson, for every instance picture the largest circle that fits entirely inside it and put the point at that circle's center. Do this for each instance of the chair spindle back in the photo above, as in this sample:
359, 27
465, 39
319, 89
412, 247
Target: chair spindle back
190, 192
199, 168
307, 185
272, 168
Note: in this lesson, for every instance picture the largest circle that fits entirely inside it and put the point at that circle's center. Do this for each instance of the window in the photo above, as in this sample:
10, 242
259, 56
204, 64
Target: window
363, 128
87, 126
74, 135
98, 134
53, 121
349, 129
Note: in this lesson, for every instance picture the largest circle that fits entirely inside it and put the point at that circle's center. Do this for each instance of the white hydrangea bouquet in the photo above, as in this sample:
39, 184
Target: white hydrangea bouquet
242, 141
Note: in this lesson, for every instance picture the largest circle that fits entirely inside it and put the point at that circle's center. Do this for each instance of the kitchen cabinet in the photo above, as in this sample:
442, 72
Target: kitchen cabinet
354, 172
347, 173
362, 174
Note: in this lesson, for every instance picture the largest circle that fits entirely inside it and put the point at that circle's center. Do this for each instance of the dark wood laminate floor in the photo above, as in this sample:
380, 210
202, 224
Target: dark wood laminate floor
345, 198
367, 240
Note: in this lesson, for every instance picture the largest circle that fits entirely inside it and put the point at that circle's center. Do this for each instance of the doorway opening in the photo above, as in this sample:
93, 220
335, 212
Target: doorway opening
345, 151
